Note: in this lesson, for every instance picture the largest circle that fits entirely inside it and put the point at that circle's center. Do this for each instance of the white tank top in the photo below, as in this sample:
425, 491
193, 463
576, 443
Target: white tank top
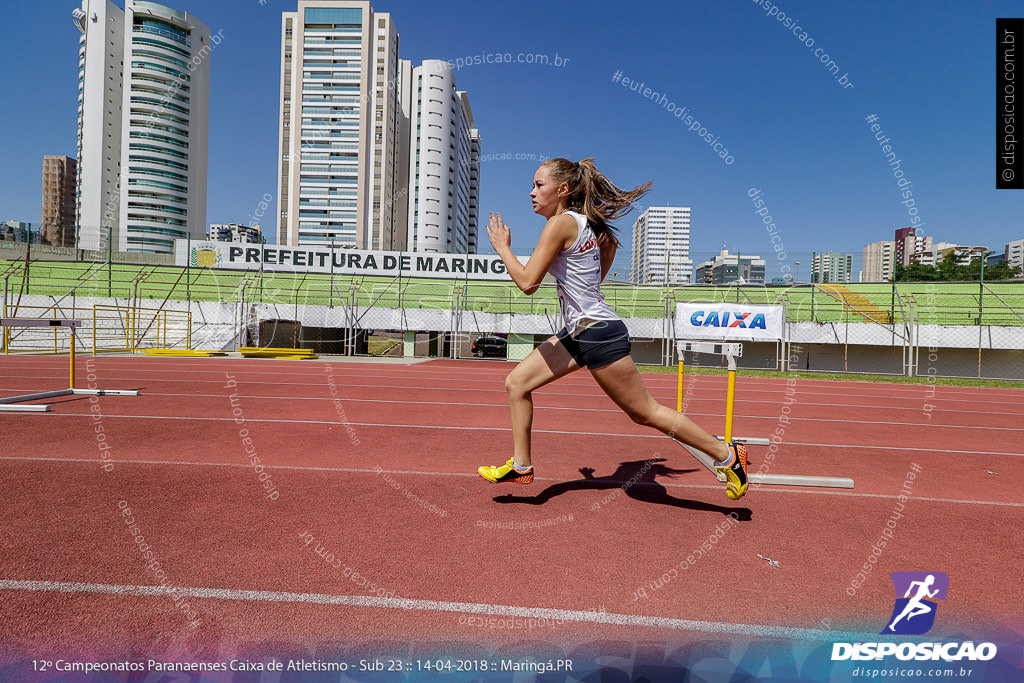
577, 271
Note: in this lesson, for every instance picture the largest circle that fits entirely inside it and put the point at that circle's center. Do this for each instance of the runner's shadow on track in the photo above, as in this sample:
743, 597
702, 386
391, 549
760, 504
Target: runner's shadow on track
637, 480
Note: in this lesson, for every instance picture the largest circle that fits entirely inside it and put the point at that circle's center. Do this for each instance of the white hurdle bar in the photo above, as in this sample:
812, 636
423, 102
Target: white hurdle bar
5, 403
733, 350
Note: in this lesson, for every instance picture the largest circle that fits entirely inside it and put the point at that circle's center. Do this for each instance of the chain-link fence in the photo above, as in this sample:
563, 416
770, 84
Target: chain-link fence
924, 329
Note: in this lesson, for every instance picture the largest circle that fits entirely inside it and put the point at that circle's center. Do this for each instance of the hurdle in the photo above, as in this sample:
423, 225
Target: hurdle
70, 324
732, 351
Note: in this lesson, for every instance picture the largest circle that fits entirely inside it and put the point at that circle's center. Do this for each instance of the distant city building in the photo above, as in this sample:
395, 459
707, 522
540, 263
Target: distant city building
444, 163
728, 268
831, 267
339, 129
661, 247
879, 262
59, 177
1015, 254
908, 245
232, 232
16, 231
143, 121
935, 254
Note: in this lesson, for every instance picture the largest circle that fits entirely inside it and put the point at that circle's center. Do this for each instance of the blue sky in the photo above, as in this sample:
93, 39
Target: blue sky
925, 69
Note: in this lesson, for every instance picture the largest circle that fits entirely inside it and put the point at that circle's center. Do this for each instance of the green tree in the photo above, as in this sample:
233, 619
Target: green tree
951, 269
916, 272
1002, 271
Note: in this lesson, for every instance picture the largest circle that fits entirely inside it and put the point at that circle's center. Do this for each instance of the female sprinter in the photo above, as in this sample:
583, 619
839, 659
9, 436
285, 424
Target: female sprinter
577, 247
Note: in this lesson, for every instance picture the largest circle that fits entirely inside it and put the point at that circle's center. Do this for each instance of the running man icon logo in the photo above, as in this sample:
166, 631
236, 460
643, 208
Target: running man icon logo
914, 612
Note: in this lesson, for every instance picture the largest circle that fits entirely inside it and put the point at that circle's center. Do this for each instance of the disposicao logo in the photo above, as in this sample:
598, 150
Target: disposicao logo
738, 320
914, 614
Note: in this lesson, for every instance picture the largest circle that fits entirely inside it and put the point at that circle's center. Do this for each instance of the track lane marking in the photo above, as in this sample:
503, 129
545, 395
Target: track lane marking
762, 630
606, 410
53, 415
766, 488
714, 399
970, 397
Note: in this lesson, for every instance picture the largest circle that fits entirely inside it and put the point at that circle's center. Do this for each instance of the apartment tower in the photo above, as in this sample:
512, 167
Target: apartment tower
661, 247
59, 177
831, 267
340, 127
879, 261
444, 163
143, 122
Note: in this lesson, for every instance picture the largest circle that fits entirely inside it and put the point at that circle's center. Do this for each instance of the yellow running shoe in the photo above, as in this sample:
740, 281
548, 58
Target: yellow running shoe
735, 473
505, 473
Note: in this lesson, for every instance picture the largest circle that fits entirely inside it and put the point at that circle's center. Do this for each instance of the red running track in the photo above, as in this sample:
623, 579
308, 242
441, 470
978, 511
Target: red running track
375, 528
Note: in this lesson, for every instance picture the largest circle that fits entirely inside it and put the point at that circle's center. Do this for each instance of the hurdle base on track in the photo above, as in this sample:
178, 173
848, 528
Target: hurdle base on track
271, 352
71, 324
6, 403
775, 479
183, 353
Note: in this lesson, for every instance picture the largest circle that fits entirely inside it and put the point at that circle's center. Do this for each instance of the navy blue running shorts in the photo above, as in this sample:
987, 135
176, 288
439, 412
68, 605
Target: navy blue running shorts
604, 342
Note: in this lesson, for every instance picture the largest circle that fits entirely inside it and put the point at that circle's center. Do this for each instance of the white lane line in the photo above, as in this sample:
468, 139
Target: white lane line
563, 382
497, 371
902, 448
604, 410
613, 483
437, 606
598, 395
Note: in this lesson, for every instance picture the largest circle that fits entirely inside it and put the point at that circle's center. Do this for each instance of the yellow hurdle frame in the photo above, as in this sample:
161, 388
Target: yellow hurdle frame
70, 324
732, 351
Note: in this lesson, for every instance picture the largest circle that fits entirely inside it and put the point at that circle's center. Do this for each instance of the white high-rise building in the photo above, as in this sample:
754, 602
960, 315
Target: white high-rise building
935, 253
1015, 254
340, 181
143, 123
879, 261
661, 247
444, 163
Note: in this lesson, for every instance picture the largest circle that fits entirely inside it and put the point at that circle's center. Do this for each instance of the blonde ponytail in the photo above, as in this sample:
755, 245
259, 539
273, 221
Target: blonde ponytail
593, 195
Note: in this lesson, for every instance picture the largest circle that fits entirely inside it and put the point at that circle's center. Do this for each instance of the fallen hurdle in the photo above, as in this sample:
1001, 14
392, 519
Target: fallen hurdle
732, 351
5, 403
183, 353
271, 352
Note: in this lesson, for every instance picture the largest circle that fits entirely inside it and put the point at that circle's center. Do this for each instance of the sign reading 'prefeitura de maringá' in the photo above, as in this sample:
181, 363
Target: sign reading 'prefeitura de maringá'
310, 259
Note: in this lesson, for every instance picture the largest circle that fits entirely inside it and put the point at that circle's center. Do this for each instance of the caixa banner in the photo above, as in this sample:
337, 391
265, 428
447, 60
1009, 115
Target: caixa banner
729, 321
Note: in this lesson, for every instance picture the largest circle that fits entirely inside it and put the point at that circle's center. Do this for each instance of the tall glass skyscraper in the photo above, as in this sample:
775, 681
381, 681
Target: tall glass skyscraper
340, 125
143, 122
